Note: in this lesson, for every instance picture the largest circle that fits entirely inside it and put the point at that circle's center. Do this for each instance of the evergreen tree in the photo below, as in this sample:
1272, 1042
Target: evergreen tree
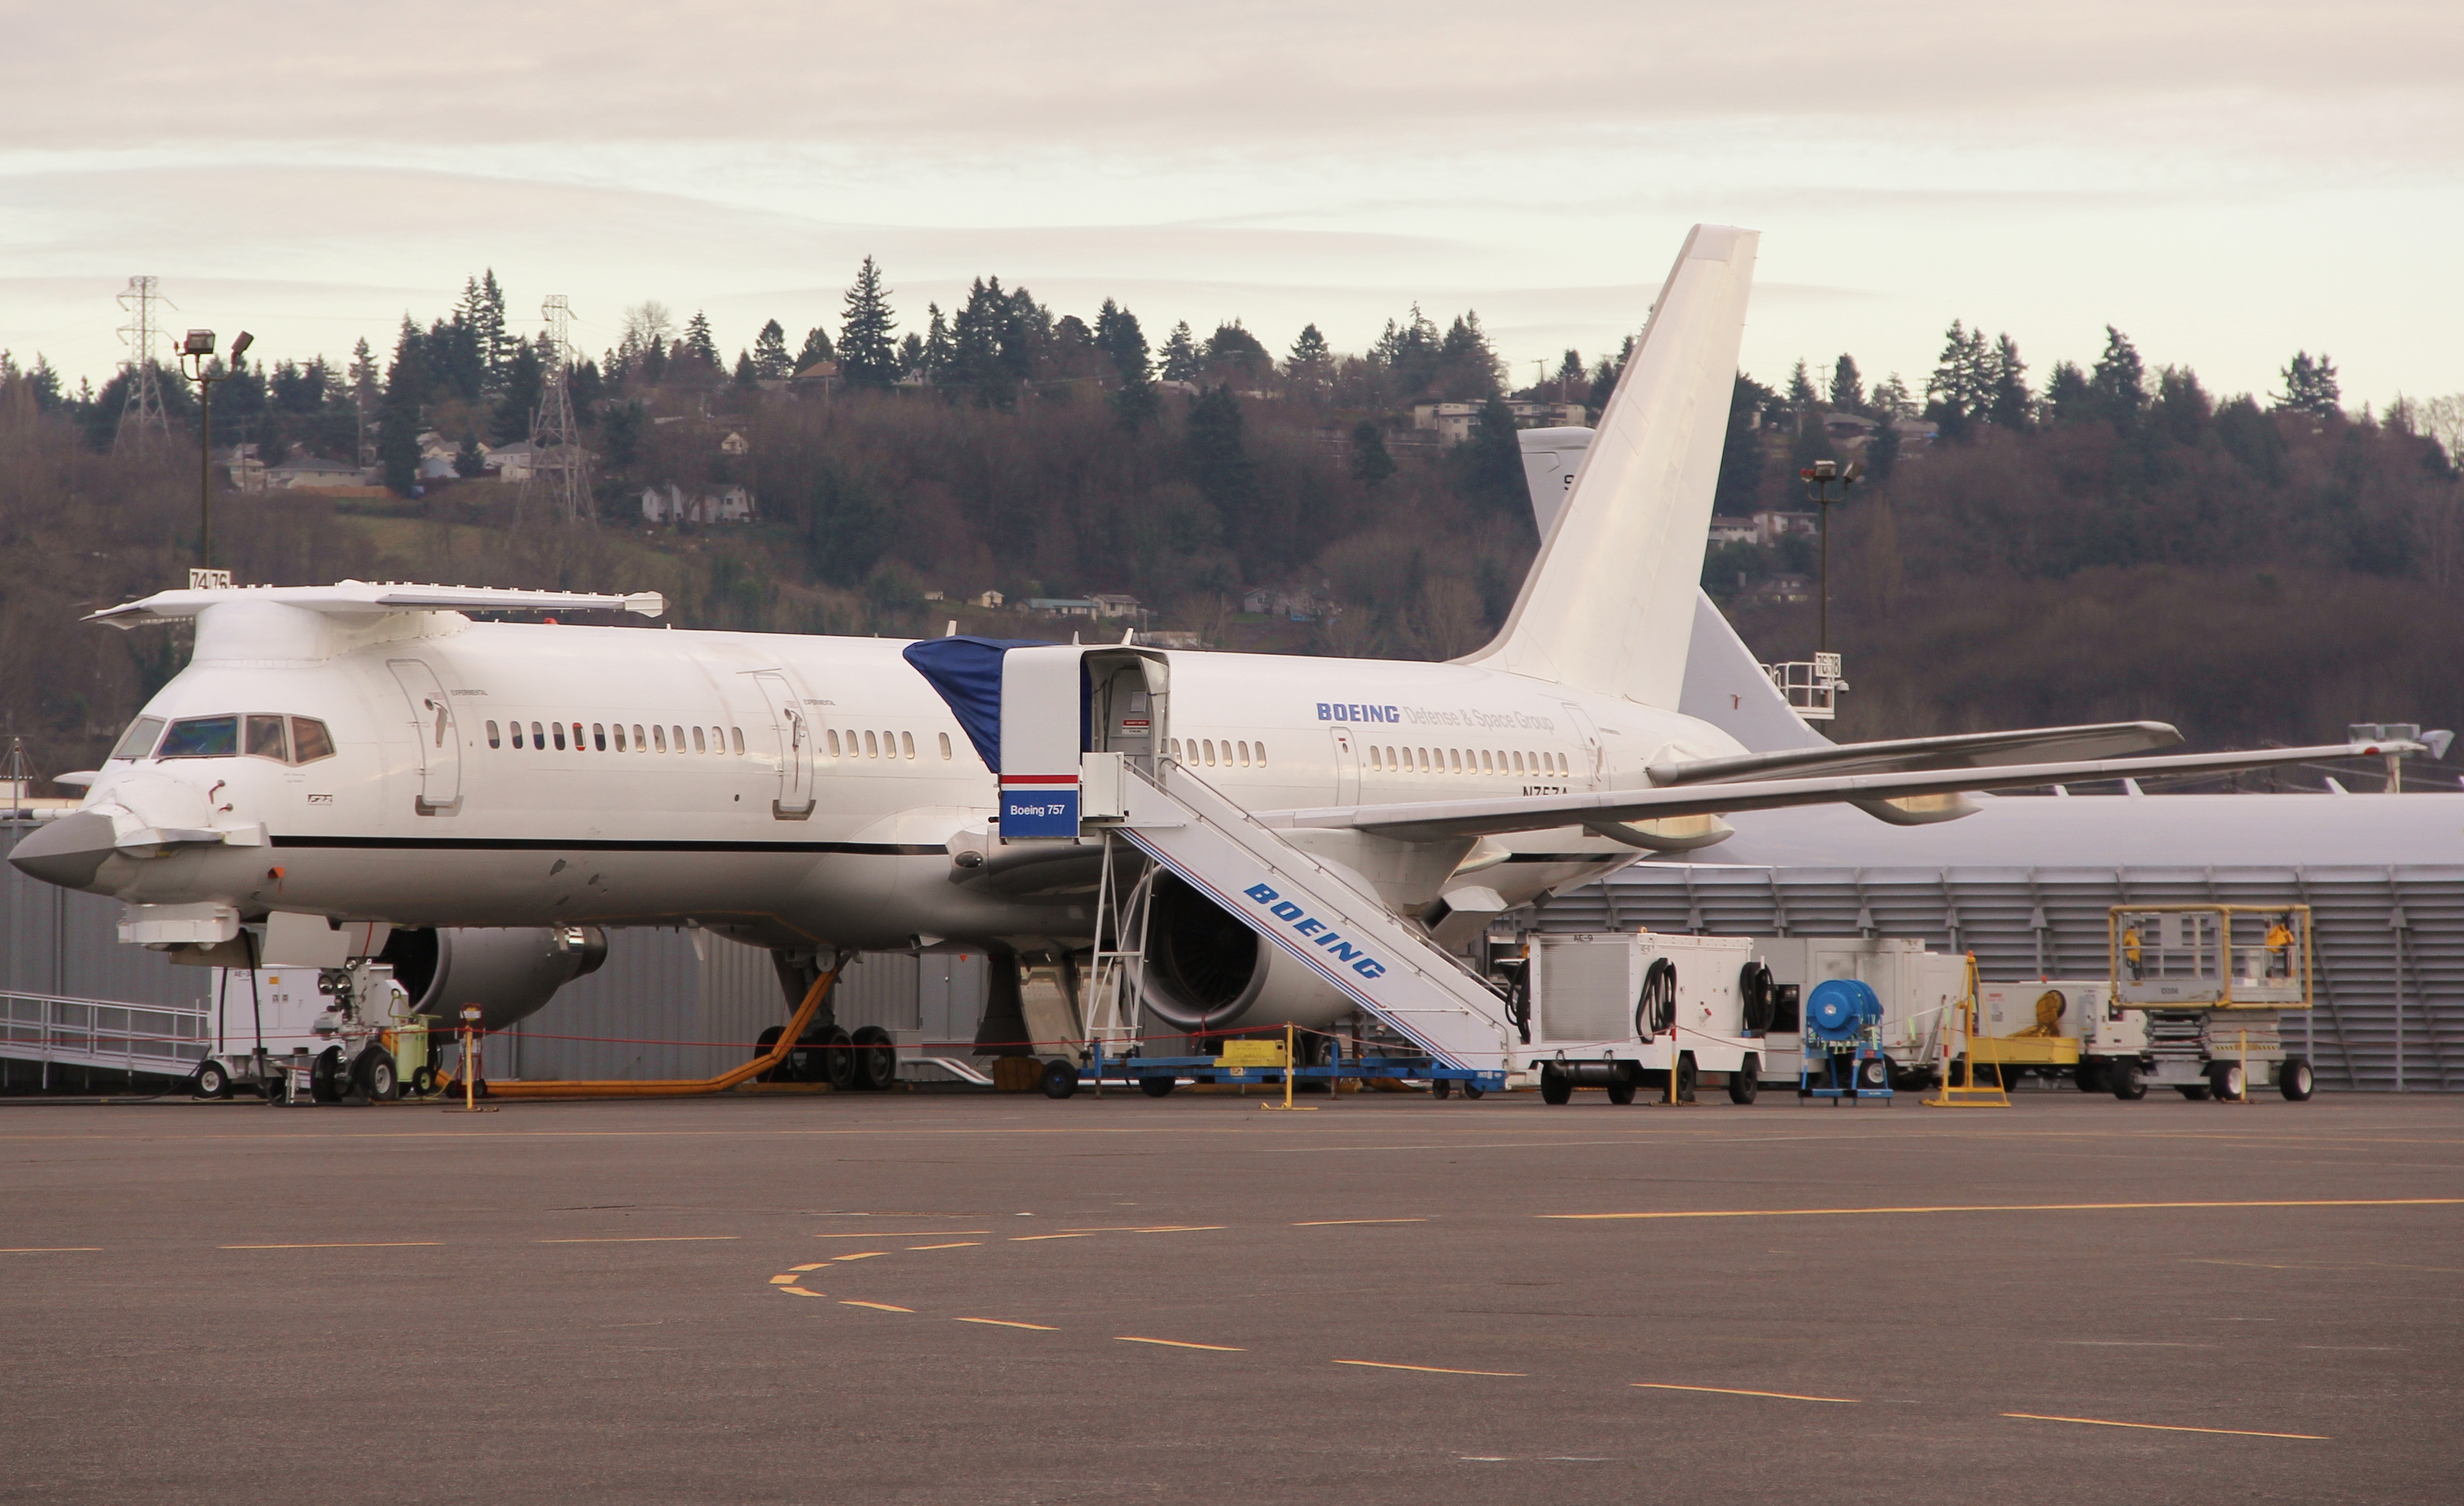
1801, 396
1883, 451
1118, 336
1467, 366
1960, 391
1739, 493
1409, 354
2310, 387
937, 348
2182, 408
517, 404
2006, 404
867, 331
1309, 360
1891, 399
697, 341
1604, 378
467, 462
1218, 461
1233, 351
1371, 462
1847, 385
2068, 396
911, 355
748, 376
977, 334
407, 382
817, 347
1491, 463
1179, 354
2119, 379
770, 358
483, 313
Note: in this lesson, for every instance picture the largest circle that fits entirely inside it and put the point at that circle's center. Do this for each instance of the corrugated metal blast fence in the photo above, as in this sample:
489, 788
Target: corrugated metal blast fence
2388, 942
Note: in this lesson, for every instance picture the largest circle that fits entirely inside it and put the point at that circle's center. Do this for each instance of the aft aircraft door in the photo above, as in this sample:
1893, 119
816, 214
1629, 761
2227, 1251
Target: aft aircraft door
1347, 767
794, 729
435, 734
1591, 764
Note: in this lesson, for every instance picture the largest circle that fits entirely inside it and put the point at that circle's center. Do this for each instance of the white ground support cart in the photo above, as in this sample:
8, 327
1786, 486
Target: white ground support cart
2213, 982
2059, 1027
314, 1035
1621, 1011
1920, 992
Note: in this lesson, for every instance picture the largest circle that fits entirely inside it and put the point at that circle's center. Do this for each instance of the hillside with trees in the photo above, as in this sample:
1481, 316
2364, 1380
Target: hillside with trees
2112, 542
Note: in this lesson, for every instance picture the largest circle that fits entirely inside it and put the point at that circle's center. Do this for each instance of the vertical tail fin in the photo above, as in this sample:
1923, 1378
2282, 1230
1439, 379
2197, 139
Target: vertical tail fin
1609, 605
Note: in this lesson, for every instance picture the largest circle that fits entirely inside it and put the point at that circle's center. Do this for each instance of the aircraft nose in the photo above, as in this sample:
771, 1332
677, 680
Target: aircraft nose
67, 851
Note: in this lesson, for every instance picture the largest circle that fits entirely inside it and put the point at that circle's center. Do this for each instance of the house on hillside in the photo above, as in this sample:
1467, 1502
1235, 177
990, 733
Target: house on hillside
1782, 589
1296, 602
1771, 525
815, 380
990, 600
1734, 530
670, 503
734, 444
1062, 606
1111, 605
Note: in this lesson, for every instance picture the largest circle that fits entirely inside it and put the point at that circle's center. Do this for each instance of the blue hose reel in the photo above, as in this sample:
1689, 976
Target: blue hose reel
1842, 1010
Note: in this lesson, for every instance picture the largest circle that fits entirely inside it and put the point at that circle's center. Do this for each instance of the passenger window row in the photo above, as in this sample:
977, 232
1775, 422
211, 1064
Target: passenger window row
879, 744
285, 739
609, 737
1208, 752
1465, 761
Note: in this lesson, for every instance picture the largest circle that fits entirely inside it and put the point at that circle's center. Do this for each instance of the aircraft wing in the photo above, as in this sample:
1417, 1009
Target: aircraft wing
367, 598
1439, 819
1900, 755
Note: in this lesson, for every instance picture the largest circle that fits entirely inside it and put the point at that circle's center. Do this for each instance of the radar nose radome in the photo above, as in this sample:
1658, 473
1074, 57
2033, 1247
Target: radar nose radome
67, 852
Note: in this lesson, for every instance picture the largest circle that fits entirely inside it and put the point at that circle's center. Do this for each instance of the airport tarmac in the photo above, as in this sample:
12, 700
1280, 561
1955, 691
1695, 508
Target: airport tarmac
1003, 1299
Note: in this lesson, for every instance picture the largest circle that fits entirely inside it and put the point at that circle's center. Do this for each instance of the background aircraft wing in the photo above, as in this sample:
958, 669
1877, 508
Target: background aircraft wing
1438, 819
1897, 755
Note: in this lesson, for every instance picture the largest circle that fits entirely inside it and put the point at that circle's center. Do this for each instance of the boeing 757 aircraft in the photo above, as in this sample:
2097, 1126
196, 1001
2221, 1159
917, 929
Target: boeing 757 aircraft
375, 753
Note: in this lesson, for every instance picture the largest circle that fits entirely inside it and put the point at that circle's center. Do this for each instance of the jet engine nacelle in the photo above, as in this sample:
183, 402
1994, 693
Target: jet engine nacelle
1208, 971
509, 973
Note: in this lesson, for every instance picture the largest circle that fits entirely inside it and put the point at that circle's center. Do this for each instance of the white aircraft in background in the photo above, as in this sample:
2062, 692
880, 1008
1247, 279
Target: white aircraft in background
370, 753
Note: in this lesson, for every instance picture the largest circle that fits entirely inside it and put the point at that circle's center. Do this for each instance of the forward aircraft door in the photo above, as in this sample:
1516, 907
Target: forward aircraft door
1347, 767
436, 735
794, 729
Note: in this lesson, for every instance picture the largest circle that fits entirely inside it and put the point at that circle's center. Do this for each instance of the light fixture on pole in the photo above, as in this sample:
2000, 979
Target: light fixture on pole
1826, 485
197, 364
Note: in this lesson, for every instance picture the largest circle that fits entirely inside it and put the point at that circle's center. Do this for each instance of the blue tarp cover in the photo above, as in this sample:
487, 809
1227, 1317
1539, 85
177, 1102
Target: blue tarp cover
967, 672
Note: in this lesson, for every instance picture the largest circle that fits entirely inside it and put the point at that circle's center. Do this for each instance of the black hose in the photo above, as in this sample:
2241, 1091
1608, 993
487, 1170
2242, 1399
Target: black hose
1655, 1011
1756, 993
1518, 1000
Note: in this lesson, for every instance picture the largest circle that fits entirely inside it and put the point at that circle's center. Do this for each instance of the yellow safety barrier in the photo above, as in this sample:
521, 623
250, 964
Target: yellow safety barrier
1966, 1095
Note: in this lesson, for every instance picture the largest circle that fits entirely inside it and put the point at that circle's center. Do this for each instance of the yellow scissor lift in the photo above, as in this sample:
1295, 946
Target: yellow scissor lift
2215, 982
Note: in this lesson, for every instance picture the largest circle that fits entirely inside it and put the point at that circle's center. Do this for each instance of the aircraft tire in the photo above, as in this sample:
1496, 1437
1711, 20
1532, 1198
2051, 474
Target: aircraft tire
837, 1053
374, 1070
876, 1059
325, 1076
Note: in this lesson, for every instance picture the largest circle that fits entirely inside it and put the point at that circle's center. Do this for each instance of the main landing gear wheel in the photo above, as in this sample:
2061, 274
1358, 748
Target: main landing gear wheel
876, 1059
1157, 1084
1556, 1087
2295, 1080
836, 1053
1060, 1079
1745, 1082
213, 1081
375, 1071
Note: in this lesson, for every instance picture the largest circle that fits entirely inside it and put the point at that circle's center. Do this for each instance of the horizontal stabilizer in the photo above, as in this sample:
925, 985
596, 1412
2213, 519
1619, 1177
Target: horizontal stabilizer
1965, 750
1436, 820
363, 598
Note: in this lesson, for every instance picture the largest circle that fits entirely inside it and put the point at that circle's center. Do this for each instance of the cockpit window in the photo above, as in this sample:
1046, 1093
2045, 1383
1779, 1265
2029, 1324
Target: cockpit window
139, 740
309, 741
201, 737
265, 738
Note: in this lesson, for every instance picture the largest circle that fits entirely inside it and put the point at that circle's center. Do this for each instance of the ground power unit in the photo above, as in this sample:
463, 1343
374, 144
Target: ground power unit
1621, 1011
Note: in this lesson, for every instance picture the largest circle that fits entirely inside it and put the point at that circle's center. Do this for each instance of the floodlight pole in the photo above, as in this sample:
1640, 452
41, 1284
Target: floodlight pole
196, 357
1826, 484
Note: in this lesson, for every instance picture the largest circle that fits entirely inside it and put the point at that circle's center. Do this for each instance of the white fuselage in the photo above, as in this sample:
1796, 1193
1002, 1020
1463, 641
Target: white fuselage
727, 820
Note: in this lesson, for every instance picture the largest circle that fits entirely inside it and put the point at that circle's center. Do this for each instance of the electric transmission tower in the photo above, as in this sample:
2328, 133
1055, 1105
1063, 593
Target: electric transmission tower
143, 427
558, 460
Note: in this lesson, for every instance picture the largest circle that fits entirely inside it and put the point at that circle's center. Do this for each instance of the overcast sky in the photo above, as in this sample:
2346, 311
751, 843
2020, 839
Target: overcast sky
2225, 182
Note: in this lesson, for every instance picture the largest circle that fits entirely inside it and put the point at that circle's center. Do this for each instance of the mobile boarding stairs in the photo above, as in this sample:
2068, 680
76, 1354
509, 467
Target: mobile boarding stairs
1081, 740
